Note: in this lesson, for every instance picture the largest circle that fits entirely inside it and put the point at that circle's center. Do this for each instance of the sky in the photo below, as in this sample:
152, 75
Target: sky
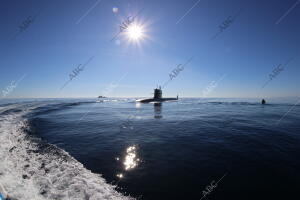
255, 39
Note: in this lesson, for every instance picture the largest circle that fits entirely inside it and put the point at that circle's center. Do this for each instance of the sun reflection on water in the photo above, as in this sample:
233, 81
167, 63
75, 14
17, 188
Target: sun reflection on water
131, 160
120, 175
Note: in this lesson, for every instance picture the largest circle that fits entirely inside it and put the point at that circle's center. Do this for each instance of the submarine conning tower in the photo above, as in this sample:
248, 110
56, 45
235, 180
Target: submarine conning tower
158, 93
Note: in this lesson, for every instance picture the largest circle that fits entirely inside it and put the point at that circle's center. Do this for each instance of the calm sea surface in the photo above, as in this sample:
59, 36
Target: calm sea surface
118, 149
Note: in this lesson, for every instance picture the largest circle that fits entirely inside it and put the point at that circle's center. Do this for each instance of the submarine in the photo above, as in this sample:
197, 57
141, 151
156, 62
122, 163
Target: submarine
157, 97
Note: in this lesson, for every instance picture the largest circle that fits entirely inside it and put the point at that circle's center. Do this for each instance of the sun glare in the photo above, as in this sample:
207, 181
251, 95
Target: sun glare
135, 32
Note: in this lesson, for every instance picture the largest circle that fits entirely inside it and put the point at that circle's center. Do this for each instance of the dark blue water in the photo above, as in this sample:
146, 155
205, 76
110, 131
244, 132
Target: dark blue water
176, 149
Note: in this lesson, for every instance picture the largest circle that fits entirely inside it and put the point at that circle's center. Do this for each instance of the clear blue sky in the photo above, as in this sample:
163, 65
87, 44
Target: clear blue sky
245, 53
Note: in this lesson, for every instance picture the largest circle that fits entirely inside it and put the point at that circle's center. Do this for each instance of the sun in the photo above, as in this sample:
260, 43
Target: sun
135, 32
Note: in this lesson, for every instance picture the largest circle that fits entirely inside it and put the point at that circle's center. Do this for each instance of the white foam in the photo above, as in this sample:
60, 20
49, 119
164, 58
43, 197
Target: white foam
27, 173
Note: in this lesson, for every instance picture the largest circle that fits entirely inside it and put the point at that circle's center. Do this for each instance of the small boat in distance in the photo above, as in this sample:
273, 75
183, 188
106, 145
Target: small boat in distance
101, 97
157, 97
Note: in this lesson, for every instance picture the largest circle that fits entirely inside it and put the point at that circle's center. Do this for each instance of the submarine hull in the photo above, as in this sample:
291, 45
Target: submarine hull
156, 100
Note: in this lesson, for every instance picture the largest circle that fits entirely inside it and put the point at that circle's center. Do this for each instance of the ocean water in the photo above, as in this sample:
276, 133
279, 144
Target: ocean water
119, 149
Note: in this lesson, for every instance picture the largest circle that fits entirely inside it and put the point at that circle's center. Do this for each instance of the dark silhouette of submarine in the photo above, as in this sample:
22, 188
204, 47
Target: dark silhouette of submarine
157, 97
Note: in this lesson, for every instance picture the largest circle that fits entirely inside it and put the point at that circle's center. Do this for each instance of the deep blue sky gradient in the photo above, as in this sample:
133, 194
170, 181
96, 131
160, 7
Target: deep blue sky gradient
55, 44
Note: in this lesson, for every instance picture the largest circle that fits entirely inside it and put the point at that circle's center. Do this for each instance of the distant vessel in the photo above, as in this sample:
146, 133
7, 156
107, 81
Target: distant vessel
157, 97
101, 97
